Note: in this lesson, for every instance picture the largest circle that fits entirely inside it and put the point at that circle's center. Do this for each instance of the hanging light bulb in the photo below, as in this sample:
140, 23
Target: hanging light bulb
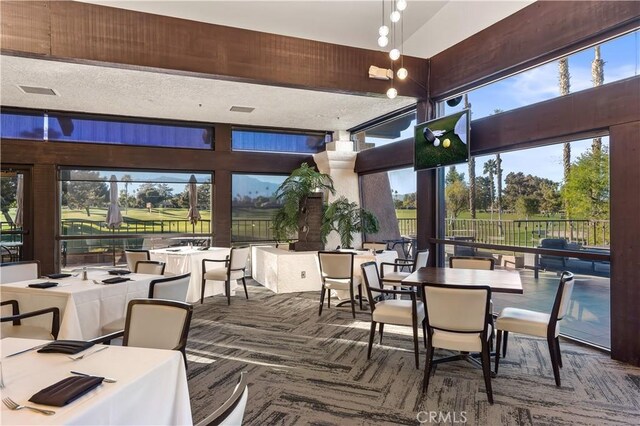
392, 93
395, 16
402, 73
383, 41
394, 54
383, 31
401, 5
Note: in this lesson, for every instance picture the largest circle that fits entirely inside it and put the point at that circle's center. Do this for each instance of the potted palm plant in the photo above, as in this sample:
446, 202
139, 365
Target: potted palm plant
348, 218
302, 207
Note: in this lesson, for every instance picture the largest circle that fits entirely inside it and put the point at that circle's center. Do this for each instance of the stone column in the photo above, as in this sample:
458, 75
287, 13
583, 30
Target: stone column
339, 161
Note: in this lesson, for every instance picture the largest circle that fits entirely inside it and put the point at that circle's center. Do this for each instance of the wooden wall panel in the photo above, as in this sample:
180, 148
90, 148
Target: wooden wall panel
540, 32
45, 217
222, 209
625, 242
25, 26
82, 32
387, 157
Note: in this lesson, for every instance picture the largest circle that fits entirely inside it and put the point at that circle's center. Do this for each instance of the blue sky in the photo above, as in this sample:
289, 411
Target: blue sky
622, 60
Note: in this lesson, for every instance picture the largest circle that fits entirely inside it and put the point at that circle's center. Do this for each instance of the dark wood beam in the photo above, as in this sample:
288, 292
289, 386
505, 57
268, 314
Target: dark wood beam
81, 32
45, 217
540, 32
589, 111
625, 242
392, 156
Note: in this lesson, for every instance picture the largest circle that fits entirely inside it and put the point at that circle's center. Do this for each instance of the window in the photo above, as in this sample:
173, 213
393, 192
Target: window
393, 130
526, 199
67, 128
620, 59
18, 125
154, 208
243, 139
253, 206
59, 127
392, 194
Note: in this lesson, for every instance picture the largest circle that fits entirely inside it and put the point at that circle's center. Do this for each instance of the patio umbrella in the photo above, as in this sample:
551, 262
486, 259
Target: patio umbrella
114, 217
194, 214
19, 200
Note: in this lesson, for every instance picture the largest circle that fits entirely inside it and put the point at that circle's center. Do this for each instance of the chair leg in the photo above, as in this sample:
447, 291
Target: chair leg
371, 335
360, 296
227, 289
554, 359
202, 291
498, 341
427, 367
353, 302
504, 344
558, 352
424, 331
381, 331
328, 298
486, 370
322, 291
244, 284
415, 344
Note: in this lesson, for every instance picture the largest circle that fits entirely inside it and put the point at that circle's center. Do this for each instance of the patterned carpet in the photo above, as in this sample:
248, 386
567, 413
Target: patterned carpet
305, 369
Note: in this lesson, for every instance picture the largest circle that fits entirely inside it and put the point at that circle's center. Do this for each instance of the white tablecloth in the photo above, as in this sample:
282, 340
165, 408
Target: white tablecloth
151, 386
182, 260
85, 307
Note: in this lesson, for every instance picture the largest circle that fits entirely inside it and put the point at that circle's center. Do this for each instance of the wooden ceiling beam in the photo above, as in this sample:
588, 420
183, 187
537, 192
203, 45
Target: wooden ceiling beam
82, 32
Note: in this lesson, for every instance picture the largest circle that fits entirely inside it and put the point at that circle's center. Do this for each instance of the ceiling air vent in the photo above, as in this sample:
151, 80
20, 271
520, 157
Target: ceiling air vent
38, 90
241, 109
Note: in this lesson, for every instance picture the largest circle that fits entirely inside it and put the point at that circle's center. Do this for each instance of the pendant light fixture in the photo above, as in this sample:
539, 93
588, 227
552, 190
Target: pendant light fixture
397, 51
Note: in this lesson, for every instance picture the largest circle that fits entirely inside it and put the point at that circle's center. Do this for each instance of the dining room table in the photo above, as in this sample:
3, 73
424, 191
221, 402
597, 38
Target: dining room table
85, 307
150, 385
500, 280
188, 259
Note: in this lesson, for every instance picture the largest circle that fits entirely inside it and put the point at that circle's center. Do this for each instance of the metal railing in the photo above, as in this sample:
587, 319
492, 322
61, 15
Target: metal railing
131, 226
523, 233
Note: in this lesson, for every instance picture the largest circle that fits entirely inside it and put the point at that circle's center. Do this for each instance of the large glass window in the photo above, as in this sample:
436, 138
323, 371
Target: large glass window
253, 206
391, 196
19, 125
393, 130
611, 61
154, 208
61, 127
551, 197
244, 139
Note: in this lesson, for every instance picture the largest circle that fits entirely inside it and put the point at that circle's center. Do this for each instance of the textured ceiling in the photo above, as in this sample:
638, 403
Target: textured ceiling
429, 27
106, 90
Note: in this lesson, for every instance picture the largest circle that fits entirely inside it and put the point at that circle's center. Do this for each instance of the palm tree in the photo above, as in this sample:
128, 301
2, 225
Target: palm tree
490, 169
126, 179
472, 173
597, 77
565, 88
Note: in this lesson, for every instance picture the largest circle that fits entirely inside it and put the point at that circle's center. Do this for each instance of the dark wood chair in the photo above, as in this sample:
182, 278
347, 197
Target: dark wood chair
396, 312
458, 319
17, 329
533, 323
155, 323
232, 411
235, 266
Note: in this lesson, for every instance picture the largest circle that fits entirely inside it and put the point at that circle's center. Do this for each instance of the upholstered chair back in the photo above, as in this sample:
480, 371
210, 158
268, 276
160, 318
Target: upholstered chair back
422, 257
171, 288
158, 324
457, 308
19, 271
150, 267
134, 256
336, 265
563, 296
238, 258
484, 263
374, 246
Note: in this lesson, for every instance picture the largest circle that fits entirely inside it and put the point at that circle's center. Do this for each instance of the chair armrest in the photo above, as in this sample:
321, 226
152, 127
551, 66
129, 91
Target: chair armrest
15, 309
411, 293
108, 337
395, 266
55, 322
204, 261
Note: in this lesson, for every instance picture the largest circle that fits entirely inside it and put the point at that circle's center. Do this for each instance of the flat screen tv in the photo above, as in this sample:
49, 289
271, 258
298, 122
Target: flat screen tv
442, 142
